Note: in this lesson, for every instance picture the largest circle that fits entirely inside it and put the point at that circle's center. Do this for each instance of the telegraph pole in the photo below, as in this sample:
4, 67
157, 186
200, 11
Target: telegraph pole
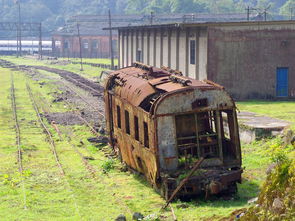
19, 29
152, 17
80, 47
111, 40
40, 42
248, 13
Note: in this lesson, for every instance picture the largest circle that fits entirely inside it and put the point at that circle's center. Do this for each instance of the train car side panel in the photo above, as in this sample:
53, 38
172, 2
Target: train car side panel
133, 132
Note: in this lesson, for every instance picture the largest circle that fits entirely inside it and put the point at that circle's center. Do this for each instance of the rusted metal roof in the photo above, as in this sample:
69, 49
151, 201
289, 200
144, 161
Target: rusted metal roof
138, 82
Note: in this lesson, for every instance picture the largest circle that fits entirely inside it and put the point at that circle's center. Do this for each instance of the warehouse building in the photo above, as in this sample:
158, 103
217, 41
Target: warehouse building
95, 40
251, 59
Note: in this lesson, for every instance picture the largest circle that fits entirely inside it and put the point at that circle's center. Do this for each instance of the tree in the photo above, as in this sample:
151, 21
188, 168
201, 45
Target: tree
288, 8
136, 6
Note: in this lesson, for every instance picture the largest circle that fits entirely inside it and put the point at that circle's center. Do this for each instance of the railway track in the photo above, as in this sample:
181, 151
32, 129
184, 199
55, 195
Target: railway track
52, 144
92, 171
49, 136
100, 112
88, 85
18, 140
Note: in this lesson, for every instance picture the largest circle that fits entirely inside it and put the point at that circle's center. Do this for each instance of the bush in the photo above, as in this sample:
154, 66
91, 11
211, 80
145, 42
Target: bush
108, 165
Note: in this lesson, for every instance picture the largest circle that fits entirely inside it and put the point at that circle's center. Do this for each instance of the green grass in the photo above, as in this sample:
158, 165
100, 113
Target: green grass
88, 71
92, 60
284, 110
78, 196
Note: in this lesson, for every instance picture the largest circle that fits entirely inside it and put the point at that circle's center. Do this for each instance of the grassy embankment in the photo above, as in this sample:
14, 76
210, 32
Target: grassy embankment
77, 195
88, 71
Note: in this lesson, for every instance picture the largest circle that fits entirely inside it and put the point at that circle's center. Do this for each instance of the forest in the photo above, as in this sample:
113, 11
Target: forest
54, 13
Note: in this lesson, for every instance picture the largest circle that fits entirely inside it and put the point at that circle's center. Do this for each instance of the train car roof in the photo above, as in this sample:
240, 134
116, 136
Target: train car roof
139, 82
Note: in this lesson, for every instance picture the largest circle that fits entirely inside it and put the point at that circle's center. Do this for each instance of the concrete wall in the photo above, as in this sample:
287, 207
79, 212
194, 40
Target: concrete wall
245, 59
168, 47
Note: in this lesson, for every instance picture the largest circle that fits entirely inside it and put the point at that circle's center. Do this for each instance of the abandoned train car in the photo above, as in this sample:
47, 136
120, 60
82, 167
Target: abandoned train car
160, 123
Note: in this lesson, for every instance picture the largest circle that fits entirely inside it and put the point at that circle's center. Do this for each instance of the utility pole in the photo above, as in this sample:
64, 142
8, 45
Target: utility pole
248, 13
152, 17
19, 29
111, 40
40, 42
291, 11
80, 47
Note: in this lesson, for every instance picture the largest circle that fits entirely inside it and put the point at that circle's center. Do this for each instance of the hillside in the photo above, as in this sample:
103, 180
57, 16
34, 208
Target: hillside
54, 13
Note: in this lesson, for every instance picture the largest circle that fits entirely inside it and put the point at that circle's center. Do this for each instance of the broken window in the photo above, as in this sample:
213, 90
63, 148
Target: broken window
228, 136
136, 132
118, 116
127, 123
146, 134
196, 136
208, 135
192, 52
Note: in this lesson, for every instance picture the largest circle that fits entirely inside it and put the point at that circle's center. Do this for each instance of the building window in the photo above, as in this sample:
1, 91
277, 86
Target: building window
114, 44
66, 45
57, 44
146, 134
192, 52
94, 44
138, 56
85, 44
136, 131
127, 123
119, 117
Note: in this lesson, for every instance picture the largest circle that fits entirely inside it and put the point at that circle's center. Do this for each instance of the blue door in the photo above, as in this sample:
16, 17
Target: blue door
282, 82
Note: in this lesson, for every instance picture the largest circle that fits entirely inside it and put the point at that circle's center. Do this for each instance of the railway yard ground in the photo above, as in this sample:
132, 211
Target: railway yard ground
54, 163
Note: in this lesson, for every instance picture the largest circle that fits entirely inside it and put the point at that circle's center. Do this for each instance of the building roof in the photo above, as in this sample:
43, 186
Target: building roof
94, 25
201, 24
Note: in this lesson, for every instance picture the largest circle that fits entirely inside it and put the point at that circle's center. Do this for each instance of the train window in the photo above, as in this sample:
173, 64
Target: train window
146, 134
118, 116
228, 135
127, 123
136, 132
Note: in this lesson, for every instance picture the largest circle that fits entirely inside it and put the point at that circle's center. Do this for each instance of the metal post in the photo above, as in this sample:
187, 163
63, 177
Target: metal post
17, 40
20, 32
111, 40
152, 17
248, 13
40, 42
80, 47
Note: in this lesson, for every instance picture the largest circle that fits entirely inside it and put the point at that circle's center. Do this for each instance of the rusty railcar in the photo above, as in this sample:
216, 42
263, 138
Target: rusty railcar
161, 122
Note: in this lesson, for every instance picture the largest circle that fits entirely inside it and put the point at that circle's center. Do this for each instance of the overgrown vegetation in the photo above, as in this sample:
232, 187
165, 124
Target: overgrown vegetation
78, 195
276, 200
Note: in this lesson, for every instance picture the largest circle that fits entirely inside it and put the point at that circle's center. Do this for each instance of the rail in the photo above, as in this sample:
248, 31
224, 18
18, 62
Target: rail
18, 139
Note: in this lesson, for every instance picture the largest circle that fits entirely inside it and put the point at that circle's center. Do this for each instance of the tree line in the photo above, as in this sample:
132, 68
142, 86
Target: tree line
54, 13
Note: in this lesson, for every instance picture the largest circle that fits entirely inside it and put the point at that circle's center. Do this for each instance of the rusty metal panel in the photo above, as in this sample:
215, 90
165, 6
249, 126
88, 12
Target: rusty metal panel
168, 154
182, 102
139, 82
